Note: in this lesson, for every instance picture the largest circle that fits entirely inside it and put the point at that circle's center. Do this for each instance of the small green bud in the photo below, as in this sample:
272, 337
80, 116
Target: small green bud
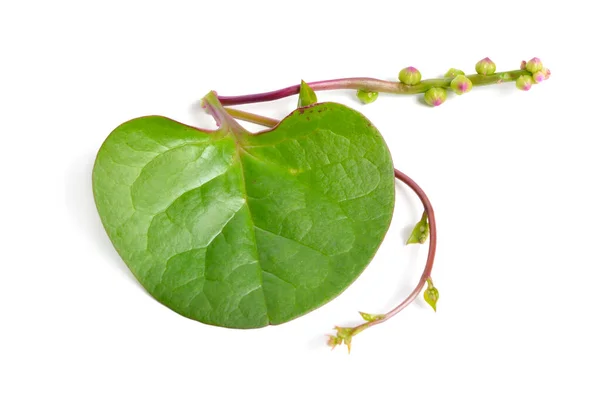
534, 65
485, 67
461, 84
435, 96
366, 96
333, 341
420, 232
371, 317
431, 295
453, 73
306, 96
410, 76
524, 82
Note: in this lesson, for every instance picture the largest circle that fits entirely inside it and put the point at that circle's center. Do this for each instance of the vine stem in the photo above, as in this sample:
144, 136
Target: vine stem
430, 255
268, 122
372, 85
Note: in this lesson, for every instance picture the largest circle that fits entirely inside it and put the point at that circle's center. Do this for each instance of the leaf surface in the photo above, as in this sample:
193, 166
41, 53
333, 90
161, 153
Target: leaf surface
244, 230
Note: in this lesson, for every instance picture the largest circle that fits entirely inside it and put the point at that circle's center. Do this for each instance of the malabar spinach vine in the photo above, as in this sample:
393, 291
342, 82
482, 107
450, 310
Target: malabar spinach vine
242, 230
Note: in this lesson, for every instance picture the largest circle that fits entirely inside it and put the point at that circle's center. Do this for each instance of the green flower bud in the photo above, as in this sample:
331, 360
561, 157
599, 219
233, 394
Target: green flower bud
366, 96
435, 96
453, 73
420, 232
524, 82
371, 317
334, 341
344, 335
461, 84
431, 295
485, 67
410, 76
534, 65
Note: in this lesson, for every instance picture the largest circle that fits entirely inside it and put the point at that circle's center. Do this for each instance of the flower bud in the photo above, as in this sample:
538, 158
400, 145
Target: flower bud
453, 73
461, 84
431, 295
524, 82
534, 65
546, 73
410, 76
420, 232
333, 341
435, 96
371, 317
344, 334
523, 64
366, 96
485, 67
538, 77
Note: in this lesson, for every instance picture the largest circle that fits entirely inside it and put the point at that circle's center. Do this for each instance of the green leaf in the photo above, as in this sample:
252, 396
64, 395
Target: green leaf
241, 230
420, 232
306, 96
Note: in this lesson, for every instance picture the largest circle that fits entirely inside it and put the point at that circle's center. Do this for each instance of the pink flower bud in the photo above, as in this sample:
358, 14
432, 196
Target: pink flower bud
538, 77
435, 96
547, 73
534, 65
410, 76
524, 82
485, 67
461, 84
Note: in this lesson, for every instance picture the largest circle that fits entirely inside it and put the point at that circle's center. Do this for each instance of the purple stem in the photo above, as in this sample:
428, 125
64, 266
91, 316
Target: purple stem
342, 83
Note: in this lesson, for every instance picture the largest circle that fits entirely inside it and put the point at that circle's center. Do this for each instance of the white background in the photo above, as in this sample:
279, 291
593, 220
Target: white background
513, 176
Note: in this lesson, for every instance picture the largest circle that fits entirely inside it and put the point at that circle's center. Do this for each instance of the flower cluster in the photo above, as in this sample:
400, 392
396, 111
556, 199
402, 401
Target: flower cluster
537, 74
436, 90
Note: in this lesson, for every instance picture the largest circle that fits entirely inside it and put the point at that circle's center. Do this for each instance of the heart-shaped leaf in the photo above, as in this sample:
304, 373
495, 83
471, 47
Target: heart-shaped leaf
244, 230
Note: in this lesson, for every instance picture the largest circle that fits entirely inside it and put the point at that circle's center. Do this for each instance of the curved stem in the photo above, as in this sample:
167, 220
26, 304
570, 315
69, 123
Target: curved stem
430, 255
372, 85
